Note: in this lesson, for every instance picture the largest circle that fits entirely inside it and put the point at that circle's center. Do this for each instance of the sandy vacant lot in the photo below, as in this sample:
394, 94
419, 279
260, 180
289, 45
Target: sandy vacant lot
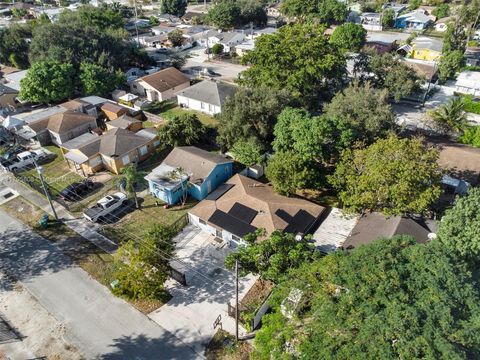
42, 333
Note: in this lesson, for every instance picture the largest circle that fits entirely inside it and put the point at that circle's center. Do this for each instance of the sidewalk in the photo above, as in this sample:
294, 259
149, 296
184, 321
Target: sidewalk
79, 225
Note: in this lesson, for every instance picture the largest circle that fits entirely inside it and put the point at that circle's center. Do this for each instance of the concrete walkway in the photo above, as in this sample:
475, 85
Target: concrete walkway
100, 325
79, 225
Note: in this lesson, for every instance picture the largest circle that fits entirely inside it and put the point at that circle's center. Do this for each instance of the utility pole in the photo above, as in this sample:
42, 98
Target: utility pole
236, 299
40, 171
136, 20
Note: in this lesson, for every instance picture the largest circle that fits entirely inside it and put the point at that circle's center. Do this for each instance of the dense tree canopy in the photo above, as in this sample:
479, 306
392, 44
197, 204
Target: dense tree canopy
298, 58
14, 45
325, 11
251, 113
272, 257
365, 109
388, 72
181, 130
459, 228
248, 152
97, 80
174, 7
349, 37
48, 81
394, 176
226, 14
392, 299
450, 63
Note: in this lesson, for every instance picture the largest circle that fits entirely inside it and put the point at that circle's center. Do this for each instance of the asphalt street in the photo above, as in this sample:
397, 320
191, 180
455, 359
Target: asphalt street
101, 325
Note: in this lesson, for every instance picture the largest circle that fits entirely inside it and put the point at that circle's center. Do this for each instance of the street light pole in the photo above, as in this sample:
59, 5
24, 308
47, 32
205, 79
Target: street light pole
40, 171
236, 299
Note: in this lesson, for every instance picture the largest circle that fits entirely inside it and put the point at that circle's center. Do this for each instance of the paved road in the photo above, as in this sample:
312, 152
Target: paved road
99, 324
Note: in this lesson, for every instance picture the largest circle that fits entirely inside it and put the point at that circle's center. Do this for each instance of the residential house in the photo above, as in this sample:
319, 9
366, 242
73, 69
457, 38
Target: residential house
273, 10
140, 24
371, 21
10, 87
441, 25
125, 122
207, 96
426, 71
245, 47
228, 39
113, 111
415, 20
422, 48
8, 98
468, 82
161, 85
156, 41
133, 73
372, 226
162, 29
168, 19
243, 205
397, 8
472, 56
113, 150
380, 47
188, 170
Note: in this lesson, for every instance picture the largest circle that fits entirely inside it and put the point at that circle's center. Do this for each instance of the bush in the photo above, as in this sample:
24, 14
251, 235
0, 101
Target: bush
471, 136
470, 105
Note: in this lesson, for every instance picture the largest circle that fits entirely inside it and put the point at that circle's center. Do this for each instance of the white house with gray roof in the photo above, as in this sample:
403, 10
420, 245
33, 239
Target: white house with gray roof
206, 96
228, 39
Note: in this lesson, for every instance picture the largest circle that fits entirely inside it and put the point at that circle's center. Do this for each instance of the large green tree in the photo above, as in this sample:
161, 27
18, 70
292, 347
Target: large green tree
392, 299
459, 228
181, 130
298, 58
394, 176
450, 63
324, 11
251, 113
174, 7
102, 17
365, 109
272, 257
388, 72
248, 152
97, 80
48, 81
225, 14
349, 37
14, 45
454, 38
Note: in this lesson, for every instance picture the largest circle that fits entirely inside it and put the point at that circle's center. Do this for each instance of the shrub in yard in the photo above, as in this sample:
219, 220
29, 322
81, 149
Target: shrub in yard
471, 106
471, 136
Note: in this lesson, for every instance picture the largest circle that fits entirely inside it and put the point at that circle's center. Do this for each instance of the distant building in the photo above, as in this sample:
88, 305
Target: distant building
415, 20
371, 21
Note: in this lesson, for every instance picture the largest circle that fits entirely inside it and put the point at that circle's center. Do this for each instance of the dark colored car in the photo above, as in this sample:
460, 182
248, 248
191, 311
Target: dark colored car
10, 154
76, 191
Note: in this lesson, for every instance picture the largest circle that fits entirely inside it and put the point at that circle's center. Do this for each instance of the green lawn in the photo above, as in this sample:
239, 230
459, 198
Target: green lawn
57, 173
205, 119
136, 222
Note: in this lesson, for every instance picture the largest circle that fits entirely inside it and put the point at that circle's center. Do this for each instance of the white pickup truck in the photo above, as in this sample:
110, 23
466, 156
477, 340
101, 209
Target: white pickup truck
105, 206
24, 159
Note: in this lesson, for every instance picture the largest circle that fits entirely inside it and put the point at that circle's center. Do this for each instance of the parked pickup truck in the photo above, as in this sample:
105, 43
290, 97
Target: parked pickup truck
105, 206
24, 159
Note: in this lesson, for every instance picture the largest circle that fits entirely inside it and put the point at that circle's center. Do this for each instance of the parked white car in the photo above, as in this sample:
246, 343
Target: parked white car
105, 207
24, 159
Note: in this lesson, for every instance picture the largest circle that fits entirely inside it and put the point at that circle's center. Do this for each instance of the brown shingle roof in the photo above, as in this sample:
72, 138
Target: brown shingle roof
73, 104
114, 143
166, 79
196, 162
374, 225
123, 122
62, 122
114, 108
274, 212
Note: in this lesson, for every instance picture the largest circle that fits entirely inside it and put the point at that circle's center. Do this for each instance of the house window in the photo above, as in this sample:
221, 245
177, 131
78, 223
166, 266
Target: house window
210, 107
125, 160
202, 105
143, 150
201, 221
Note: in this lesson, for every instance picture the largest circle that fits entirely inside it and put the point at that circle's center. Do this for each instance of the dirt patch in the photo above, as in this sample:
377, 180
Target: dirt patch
257, 294
41, 334
224, 347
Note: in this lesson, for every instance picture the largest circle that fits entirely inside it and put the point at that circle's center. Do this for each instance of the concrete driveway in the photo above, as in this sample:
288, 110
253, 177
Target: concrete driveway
99, 324
191, 312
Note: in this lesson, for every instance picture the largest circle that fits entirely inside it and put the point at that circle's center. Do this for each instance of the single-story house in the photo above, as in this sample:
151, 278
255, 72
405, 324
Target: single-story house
242, 205
188, 170
137, 24
273, 10
415, 20
162, 29
193, 17
422, 48
380, 47
8, 97
424, 70
245, 47
472, 56
441, 25
125, 122
468, 82
371, 21
113, 150
58, 128
372, 226
228, 39
161, 85
113, 111
207, 96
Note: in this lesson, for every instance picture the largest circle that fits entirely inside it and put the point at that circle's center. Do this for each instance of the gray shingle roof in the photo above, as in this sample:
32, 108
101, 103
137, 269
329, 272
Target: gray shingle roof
209, 92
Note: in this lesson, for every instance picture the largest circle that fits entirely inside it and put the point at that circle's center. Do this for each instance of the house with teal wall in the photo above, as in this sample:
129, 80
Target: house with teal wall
188, 171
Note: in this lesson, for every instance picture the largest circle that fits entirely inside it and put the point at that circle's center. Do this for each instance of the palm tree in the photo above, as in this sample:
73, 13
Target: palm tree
131, 177
178, 174
450, 117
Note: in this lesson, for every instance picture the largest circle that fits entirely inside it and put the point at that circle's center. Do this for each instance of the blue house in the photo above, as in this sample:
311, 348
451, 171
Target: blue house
188, 170
416, 20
